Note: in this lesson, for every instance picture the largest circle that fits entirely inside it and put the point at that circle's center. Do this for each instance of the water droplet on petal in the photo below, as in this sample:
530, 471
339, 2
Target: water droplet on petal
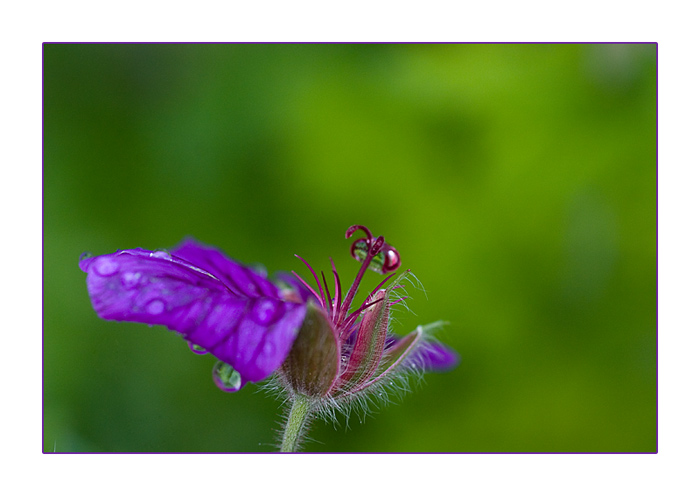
196, 348
106, 266
265, 311
161, 254
268, 348
155, 307
226, 377
85, 255
130, 280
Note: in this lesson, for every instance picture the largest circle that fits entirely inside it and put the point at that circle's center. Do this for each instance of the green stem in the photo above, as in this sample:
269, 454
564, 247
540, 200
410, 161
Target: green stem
298, 417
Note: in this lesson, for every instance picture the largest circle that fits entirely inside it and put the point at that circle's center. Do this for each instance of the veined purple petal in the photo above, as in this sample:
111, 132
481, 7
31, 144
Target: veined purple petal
252, 329
235, 276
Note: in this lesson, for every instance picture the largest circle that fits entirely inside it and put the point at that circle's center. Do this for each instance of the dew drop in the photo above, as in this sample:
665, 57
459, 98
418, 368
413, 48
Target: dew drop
196, 348
161, 254
265, 311
360, 251
392, 262
268, 348
106, 266
155, 307
131, 279
84, 255
226, 377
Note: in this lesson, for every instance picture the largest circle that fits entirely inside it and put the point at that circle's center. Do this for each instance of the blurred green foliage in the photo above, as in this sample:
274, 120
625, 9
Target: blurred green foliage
517, 181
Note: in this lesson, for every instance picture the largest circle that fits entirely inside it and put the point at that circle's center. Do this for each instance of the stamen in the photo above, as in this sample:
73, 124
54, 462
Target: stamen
351, 318
353, 290
310, 289
351, 230
338, 293
320, 289
328, 294
376, 246
365, 250
371, 293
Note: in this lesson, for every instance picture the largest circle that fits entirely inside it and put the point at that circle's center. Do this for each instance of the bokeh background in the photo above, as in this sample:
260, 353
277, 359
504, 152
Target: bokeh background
517, 181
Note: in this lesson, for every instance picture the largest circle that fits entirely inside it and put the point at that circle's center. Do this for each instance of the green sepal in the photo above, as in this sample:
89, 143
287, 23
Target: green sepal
314, 360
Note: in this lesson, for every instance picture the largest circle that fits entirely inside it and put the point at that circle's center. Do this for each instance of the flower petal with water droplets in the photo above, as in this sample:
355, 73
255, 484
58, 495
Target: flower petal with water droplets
251, 333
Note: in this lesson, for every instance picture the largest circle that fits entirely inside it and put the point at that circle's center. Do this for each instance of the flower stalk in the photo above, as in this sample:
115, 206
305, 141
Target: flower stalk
298, 418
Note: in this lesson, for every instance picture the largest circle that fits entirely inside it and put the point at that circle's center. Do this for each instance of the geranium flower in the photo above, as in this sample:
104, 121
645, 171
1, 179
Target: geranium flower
322, 353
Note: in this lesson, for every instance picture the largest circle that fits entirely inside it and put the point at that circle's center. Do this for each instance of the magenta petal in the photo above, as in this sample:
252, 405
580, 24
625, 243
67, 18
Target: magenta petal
252, 334
438, 357
432, 356
235, 276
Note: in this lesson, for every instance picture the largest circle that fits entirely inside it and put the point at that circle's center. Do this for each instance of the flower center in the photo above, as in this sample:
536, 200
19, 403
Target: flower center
375, 254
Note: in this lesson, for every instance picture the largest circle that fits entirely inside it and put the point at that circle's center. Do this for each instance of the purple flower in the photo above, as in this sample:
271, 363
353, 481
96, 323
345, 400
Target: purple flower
315, 343
218, 305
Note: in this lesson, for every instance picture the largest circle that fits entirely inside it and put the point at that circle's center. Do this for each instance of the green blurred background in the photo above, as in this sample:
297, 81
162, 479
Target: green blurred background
517, 181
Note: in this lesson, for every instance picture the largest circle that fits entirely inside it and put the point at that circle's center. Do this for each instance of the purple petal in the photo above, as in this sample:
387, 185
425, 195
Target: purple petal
438, 357
431, 355
237, 277
248, 326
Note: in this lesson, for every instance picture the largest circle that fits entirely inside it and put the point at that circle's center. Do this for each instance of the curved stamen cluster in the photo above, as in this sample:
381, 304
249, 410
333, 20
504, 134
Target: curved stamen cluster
375, 254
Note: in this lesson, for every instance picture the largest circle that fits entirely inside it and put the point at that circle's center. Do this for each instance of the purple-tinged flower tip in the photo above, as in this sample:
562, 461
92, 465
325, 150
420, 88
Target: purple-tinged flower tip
216, 304
438, 357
